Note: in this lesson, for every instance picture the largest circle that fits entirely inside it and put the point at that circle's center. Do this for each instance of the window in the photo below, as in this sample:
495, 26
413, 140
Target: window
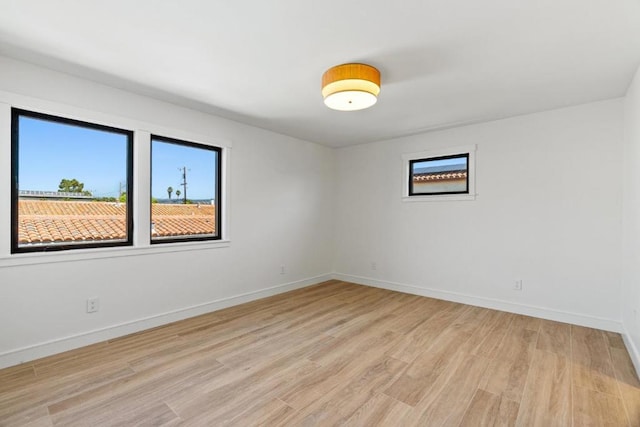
76, 180
71, 184
185, 191
439, 175
446, 174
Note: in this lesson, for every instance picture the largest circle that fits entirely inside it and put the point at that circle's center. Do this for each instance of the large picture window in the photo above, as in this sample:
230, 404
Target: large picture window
185, 191
71, 183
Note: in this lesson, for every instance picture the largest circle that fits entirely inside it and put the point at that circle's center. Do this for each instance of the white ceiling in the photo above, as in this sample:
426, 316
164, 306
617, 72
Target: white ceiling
443, 62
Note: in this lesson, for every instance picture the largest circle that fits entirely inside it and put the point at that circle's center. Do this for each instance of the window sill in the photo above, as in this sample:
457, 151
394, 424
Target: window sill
439, 198
100, 253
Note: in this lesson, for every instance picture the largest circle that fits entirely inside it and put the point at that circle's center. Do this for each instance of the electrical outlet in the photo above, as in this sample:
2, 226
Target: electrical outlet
283, 269
517, 286
93, 305
374, 266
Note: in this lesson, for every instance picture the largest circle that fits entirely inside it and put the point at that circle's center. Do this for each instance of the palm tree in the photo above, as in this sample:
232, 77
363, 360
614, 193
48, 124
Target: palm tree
178, 193
169, 191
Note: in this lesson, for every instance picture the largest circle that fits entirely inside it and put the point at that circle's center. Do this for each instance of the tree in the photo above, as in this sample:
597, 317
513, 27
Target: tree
123, 197
178, 193
169, 191
72, 186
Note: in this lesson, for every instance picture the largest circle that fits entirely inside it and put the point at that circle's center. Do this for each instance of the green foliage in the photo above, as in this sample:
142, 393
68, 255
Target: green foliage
123, 198
169, 191
154, 200
72, 186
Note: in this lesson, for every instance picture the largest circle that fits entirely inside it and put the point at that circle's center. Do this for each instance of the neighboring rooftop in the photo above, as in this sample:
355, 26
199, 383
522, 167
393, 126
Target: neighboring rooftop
32, 194
72, 221
441, 168
439, 176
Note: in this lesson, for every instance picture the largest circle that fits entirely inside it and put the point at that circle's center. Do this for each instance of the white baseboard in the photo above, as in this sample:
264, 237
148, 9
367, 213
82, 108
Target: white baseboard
496, 304
632, 350
59, 345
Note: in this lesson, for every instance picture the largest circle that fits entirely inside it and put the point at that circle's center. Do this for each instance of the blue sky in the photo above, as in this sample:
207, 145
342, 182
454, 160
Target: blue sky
443, 162
50, 151
167, 161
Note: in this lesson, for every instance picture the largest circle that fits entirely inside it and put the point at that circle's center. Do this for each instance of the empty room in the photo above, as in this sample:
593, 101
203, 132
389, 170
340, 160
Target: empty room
287, 213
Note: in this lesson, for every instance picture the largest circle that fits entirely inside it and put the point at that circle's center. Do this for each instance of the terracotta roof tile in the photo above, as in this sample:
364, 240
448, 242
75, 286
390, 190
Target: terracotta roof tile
57, 221
439, 176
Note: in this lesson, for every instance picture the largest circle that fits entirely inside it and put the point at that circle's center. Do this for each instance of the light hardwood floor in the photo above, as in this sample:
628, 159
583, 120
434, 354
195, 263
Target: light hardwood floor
335, 354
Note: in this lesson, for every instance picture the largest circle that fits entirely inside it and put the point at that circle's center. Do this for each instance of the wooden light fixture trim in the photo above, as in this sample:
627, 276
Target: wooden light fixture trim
350, 87
350, 72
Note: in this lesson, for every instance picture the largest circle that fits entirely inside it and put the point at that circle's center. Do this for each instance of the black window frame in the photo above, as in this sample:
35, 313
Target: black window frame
218, 189
16, 113
412, 193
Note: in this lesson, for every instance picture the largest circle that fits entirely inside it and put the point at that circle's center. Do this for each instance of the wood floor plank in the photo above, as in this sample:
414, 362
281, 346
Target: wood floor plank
547, 397
44, 421
21, 414
264, 414
230, 401
339, 404
526, 322
597, 409
113, 353
507, 371
334, 354
120, 413
421, 337
491, 335
359, 341
219, 344
38, 393
422, 373
155, 384
17, 372
463, 335
16, 375
591, 360
414, 313
555, 337
488, 409
380, 410
628, 383
451, 393
614, 340
335, 371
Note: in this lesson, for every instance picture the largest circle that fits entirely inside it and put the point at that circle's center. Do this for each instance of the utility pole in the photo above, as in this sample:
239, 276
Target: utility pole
121, 186
184, 184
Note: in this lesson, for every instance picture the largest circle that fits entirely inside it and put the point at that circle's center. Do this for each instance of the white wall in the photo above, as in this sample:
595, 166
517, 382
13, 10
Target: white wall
280, 214
547, 212
631, 221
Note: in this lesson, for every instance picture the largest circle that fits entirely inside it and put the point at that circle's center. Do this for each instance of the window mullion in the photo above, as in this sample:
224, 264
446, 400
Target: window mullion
141, 188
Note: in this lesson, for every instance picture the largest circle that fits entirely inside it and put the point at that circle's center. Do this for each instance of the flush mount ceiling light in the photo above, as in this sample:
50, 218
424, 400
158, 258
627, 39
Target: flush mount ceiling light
350, 87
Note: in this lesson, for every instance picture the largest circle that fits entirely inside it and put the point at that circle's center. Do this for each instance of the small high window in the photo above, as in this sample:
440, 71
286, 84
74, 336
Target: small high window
185, 191
439, 175
71, 183
444, 174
